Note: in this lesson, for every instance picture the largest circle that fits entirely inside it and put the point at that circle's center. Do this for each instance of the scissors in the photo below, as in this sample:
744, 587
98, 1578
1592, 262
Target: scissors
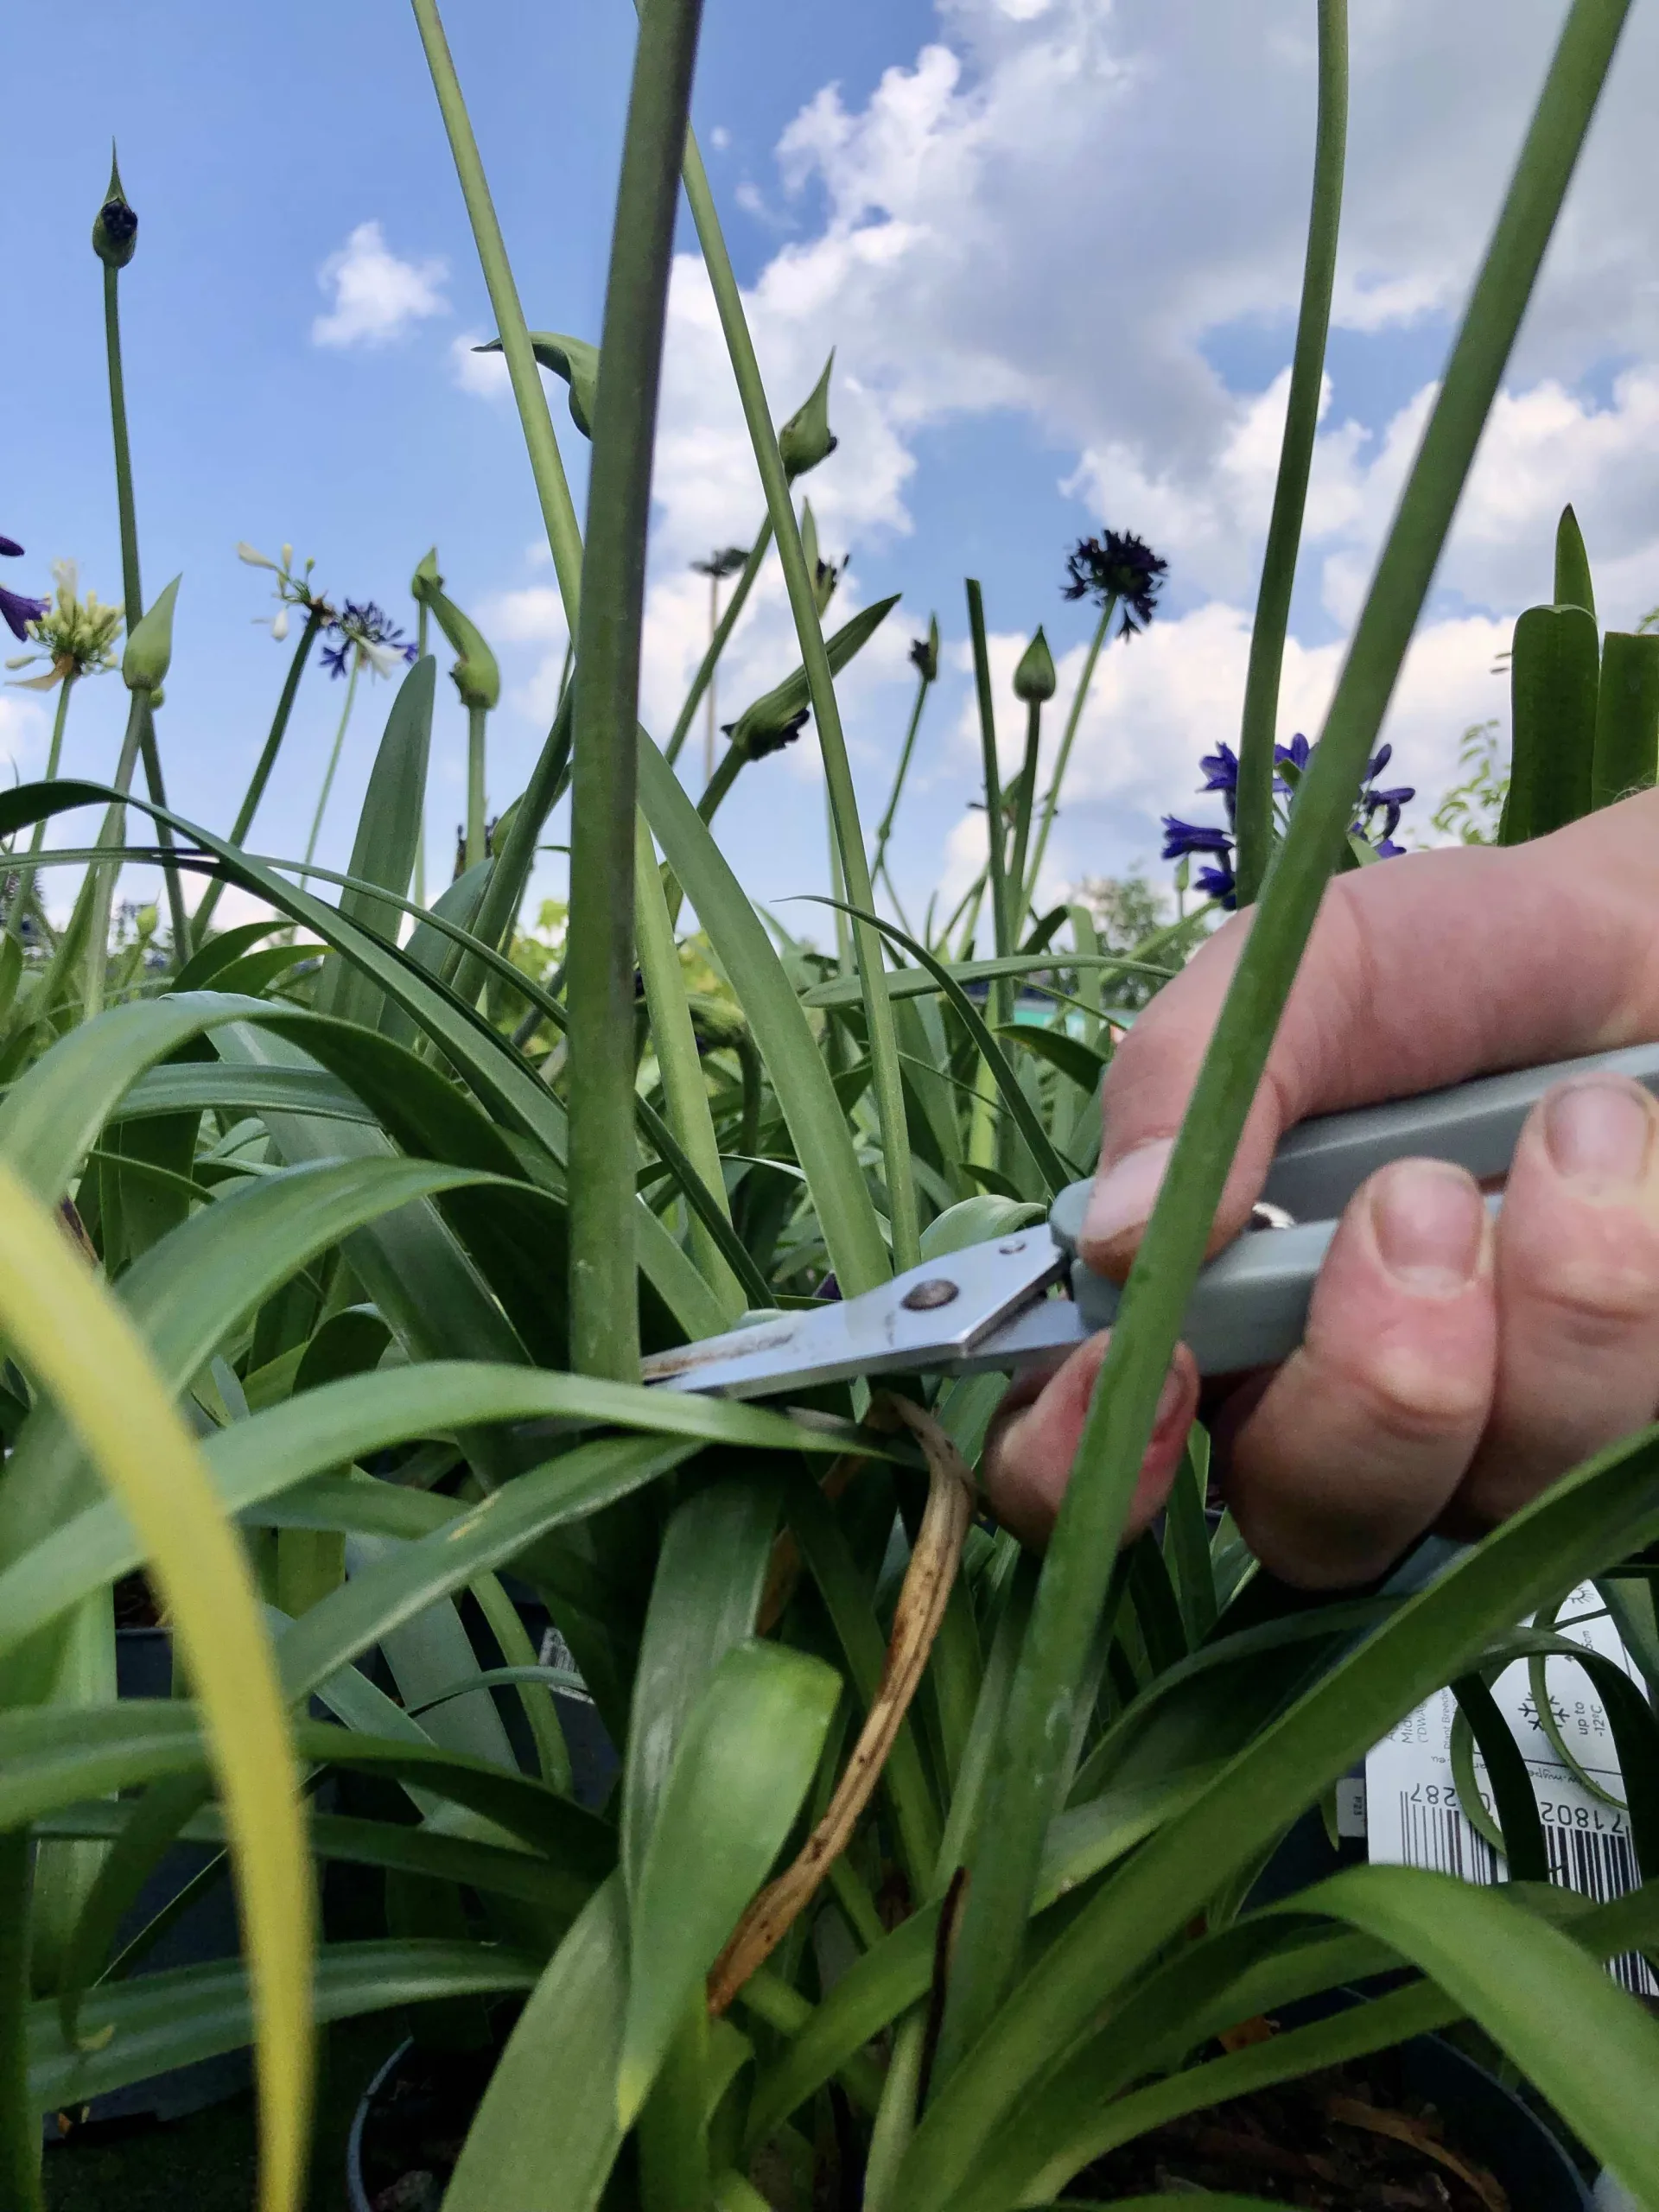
1026, 1295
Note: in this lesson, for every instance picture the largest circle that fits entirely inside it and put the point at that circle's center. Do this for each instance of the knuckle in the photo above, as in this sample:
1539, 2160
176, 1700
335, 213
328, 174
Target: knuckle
1413, 1396
1594, 1299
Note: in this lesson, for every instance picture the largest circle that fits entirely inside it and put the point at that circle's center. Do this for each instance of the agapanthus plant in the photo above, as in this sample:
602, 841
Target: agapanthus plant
17, 610
1369, 838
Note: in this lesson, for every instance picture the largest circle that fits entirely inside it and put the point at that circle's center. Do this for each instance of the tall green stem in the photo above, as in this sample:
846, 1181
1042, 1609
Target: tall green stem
529, 395
826, 713
705, 675
1020, 889
1078, 1567
1063, 758
333, 761
133, 594
924, 685
37, 836
266, 762
20, 2121
604, 1297
1261, 717
103, 875
996, 864
476, 802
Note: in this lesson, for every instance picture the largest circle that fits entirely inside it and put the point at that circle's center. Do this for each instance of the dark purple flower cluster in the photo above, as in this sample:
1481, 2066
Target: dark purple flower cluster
361, 625
17, 611
1117, 566
1215, 846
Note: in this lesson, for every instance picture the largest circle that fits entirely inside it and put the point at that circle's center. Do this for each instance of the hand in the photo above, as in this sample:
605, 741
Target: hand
1451, 1368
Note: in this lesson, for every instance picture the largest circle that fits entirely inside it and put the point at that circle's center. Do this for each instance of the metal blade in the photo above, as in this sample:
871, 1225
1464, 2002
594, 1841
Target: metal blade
935, 1316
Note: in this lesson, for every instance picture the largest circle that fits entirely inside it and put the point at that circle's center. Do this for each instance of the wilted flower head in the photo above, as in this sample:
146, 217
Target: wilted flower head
925, 652
1120, 567
725, 560
76, 636
17, 611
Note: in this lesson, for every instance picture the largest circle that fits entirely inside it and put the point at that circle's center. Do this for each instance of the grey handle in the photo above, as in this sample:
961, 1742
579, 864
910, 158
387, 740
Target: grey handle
1250, 1305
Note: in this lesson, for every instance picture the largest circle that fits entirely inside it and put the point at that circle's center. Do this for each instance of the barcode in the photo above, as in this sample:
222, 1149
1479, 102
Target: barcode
1596, 1865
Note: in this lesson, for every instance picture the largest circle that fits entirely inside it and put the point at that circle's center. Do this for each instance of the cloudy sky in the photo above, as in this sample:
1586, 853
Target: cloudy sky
1056, 245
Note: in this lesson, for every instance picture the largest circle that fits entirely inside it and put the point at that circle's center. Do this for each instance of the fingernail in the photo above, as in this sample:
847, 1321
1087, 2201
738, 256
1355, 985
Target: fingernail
1123, 1198
1430, 1224
1598, 1131
1170, 1398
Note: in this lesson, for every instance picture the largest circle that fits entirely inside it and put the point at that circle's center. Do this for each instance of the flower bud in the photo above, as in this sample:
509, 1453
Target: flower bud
475, 674
114, 231
150, 648
426, 579
252, 555
806, 439
574, 359
1034, 679
925, 652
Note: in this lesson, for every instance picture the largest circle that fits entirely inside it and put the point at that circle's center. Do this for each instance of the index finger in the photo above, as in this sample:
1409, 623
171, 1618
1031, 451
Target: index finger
1421, 971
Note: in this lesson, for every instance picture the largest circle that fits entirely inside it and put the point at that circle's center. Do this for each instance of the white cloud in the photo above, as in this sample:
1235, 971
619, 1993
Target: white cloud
376, 296
22, 734
484, 375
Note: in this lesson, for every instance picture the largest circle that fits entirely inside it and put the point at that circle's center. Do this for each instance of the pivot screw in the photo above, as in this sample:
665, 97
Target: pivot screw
937, 1290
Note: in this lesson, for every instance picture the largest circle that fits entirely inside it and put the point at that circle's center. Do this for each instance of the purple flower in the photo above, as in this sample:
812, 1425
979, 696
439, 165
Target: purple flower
1218, 883
1193, 838
17, 611
1220, 769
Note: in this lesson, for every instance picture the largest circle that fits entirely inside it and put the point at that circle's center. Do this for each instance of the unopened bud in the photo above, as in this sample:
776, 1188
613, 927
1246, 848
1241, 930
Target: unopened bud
115, 229
1034, 678
574, 359
426, 579
149, 649
806, 439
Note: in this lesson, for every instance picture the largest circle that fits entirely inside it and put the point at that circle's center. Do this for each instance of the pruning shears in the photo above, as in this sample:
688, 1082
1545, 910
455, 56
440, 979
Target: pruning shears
1026, 1295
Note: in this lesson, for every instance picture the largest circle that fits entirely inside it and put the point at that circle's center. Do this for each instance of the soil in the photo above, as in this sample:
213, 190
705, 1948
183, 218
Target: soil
417, 2125
1347, 2139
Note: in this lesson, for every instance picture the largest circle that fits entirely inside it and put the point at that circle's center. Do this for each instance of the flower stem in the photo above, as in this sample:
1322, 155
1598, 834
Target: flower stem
19, 2125
37, 836
1259, 726
133, 594
924, 684
266, 763
704, 680
1030, 1768
104, 875
604, 1292
1068, 735
476, 803
333, 761
996, 865
1021, 888
529, 395
888, 1081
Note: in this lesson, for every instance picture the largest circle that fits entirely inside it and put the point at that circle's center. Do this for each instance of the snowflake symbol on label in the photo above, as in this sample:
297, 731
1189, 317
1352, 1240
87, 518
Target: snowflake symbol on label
1529, 1712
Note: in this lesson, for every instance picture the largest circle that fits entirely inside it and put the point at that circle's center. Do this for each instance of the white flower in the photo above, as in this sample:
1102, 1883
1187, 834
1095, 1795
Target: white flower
254, 558
279, 624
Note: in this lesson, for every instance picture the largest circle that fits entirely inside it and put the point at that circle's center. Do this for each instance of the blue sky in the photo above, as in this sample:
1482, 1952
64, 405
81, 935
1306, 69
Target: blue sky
1056, 246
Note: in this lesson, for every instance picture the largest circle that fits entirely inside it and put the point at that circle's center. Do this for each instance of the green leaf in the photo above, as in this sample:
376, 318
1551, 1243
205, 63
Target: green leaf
554, 2153
975, 1221
745, 1763
1078, 1063
711, 1569
1553, 678
389, 829
160, 2021
800, 1080
1627, 717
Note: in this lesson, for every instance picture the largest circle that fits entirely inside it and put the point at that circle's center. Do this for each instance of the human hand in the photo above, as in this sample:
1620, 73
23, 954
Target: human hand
1451, 1368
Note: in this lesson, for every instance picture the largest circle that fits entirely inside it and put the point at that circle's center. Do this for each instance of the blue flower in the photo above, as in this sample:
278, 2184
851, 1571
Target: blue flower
367, 634
17, 611
1220, 769
1194, 838
1218, 883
